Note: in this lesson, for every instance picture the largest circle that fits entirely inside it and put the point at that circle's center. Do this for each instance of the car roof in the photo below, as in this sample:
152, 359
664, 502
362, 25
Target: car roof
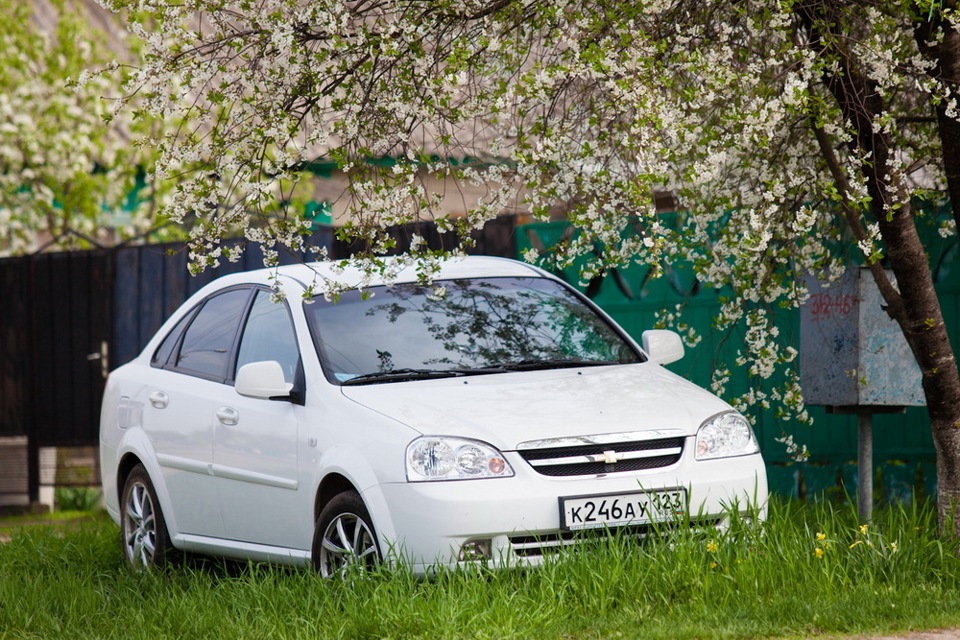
296, 278
353, 276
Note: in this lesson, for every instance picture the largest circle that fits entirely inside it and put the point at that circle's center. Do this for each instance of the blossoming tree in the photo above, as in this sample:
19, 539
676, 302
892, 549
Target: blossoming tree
798, 135
64, 174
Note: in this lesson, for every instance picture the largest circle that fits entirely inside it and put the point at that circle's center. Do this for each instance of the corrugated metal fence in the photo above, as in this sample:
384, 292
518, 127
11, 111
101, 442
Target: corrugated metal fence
903, 449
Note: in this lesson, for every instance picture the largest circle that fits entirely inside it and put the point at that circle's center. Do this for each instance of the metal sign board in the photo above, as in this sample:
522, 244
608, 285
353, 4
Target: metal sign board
851, 352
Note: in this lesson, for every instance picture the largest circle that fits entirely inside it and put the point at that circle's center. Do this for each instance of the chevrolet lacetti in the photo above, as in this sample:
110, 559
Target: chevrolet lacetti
491, 416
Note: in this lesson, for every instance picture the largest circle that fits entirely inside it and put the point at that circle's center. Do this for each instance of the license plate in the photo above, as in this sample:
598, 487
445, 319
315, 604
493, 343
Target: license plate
622, 509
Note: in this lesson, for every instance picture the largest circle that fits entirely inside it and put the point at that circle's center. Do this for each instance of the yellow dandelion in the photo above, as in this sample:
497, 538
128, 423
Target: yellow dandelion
713, 565
818, 552
863, 529
712, 546
821, 536
893, 546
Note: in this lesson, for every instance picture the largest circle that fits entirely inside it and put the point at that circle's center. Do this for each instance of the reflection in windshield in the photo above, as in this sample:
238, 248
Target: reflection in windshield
478, 325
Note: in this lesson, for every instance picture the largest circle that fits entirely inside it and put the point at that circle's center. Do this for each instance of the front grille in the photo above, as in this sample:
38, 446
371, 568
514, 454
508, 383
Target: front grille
547, 543
603, 458
537, 546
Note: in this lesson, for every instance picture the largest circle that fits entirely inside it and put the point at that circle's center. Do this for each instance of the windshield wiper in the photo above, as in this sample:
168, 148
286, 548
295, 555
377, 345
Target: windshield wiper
533, 364
399, 375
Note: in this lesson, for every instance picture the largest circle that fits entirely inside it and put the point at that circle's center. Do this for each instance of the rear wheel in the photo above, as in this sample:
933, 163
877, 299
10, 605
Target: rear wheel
143, 530
344, 539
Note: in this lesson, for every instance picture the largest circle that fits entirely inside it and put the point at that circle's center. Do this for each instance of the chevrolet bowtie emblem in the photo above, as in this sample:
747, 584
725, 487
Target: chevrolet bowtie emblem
608, 457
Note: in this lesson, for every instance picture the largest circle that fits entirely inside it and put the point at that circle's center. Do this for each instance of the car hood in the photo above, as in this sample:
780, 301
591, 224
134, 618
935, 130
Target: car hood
505, 409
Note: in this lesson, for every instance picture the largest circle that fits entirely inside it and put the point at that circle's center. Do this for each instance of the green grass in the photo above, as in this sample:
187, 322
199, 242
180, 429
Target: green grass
61, 516
898, 574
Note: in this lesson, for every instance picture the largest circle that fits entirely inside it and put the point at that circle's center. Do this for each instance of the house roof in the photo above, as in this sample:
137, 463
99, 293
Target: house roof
46, 14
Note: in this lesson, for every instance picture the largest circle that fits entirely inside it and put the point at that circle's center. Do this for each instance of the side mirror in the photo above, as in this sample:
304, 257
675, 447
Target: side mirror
262, 380
662, 346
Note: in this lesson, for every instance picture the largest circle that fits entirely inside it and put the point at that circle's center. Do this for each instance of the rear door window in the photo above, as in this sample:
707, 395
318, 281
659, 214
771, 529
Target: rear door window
209, 339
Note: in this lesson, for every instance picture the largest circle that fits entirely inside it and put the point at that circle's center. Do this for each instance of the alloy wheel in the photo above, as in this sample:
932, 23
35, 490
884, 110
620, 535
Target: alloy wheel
140, 526
348, 545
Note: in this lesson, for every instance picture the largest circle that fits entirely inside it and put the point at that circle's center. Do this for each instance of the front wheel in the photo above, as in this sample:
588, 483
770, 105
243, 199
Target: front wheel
344, 539
143, 529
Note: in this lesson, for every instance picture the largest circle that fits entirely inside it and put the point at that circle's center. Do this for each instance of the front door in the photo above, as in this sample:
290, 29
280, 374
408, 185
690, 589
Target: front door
255, 440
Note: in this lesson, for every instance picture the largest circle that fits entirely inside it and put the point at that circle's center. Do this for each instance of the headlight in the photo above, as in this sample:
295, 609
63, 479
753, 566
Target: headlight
725, 435
445, 458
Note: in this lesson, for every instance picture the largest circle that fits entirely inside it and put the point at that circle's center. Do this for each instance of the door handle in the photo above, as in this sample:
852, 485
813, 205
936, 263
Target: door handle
228, 416
159, 399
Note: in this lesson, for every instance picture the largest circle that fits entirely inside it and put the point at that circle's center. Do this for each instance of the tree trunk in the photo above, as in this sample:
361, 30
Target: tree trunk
921, 320
946, 53
916, 307
941, 382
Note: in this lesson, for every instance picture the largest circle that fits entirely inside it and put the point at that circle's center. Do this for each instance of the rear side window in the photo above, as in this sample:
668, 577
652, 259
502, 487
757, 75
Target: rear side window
165, 350
208, 341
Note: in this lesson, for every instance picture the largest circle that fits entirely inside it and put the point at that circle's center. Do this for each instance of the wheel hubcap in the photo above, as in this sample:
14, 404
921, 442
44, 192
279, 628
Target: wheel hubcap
347, 543
140, 527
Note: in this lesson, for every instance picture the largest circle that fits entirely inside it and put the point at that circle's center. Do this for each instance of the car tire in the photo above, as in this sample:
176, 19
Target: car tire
344, 539
143, 530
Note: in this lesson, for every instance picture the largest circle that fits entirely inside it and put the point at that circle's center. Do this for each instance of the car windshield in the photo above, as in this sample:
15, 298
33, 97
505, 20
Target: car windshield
460, 327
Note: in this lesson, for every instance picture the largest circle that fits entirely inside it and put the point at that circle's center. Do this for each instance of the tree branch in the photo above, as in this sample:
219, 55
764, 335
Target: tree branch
890, 295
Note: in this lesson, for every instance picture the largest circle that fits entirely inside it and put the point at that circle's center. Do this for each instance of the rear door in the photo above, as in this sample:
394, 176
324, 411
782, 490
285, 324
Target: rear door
191, 368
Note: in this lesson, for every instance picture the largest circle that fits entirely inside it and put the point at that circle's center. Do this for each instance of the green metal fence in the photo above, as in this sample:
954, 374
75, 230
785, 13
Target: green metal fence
904, 459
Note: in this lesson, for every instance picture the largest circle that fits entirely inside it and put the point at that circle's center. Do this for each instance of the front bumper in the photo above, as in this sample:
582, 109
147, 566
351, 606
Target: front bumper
516, 521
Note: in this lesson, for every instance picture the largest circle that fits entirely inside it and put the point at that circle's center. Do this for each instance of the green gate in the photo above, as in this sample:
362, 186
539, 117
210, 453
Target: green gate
904, 459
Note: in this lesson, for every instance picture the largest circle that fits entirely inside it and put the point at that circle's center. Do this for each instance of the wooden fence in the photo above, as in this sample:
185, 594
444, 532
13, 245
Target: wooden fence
67, 319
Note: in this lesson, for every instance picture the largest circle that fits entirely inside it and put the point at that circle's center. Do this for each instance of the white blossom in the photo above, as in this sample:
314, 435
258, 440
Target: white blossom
566, 108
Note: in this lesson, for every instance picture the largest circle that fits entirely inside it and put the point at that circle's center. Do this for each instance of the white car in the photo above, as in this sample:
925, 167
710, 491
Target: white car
492, 416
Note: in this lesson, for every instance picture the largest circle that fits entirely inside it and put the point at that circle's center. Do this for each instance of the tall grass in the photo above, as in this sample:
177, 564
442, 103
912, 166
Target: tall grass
809, 570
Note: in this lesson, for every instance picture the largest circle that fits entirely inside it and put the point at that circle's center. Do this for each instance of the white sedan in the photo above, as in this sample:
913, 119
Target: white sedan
493, 416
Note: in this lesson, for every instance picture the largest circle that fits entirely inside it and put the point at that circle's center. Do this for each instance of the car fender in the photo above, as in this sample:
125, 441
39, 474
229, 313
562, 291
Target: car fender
135, 442
353, 464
